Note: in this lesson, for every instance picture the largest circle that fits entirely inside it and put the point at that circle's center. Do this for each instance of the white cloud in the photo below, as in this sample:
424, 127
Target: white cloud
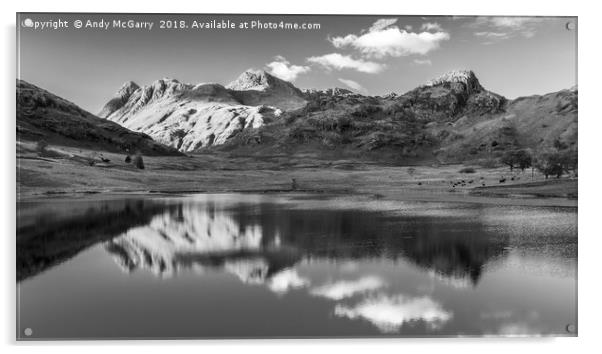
283, 69
423, 62
390, 313
344, 289
286, 280
380, 40
338, 61
513, 22
506, 27
431, 26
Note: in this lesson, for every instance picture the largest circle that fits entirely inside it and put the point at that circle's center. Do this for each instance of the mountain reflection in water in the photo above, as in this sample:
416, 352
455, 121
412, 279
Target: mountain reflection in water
260, 241
353, 255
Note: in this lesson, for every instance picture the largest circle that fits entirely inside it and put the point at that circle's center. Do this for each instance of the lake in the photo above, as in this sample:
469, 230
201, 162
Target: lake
245, 266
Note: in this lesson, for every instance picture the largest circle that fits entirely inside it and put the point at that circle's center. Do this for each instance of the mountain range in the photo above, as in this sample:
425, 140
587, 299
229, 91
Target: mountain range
190, 117
450, 118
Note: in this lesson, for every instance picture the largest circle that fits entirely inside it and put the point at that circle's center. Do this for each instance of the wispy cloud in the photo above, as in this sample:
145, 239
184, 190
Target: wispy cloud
339, 62
513, 22
382, 23
495, 35
283, 69
383, 38
422, 62
389, 313
344, 289
353, 85
500, 28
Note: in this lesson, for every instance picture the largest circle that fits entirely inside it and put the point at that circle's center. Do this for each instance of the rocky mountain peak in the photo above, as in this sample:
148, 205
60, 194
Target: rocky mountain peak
251, 79
128, 88
465, 77
257, 87
119, 99
257, 80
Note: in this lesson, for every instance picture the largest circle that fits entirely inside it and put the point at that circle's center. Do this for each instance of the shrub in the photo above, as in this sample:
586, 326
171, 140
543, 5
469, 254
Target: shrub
128, 159
139, 162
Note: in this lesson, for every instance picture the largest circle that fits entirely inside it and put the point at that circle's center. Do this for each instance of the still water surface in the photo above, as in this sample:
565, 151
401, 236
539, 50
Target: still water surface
231, 265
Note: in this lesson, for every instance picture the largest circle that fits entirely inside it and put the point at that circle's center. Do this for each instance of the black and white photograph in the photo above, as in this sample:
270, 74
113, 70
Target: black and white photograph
287, 176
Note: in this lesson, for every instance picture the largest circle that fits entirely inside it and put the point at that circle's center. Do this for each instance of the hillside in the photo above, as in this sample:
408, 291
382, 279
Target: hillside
534, 122
449, 119
42, 115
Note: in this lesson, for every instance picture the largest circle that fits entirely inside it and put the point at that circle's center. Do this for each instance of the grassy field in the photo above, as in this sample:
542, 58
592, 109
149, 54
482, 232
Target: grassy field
70, 171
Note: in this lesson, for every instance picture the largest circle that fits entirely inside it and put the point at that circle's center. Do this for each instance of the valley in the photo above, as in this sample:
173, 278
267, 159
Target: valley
70, 176
262, 134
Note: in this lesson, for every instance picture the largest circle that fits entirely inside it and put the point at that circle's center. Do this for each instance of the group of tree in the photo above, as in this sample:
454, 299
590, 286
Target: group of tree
554, 161
520, 158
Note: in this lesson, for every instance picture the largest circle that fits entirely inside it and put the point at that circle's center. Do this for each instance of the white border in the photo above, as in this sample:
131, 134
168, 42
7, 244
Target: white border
590, 128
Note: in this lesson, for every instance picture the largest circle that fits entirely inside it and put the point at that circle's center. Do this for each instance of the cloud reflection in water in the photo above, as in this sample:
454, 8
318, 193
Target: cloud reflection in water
345, 288
389, 313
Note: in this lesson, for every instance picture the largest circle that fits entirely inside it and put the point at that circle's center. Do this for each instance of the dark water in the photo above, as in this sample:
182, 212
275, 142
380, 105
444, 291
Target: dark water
272, 266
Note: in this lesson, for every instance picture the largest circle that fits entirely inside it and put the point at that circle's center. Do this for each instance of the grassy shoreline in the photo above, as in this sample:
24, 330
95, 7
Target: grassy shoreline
67, 173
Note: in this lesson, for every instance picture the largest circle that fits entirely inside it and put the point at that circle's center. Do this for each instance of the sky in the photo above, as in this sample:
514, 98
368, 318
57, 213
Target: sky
376, 55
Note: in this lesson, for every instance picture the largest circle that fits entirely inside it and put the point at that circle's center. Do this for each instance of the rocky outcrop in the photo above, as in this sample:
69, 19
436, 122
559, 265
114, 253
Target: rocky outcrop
42, 115
451, 95
461, 80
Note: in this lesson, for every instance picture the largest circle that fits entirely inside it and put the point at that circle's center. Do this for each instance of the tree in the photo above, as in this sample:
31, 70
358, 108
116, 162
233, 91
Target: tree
138, 162
520, 158
568, 160
523, 159
550, 163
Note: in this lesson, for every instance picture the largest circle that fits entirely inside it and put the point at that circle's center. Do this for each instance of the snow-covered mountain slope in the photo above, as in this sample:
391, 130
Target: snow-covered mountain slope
189, 117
